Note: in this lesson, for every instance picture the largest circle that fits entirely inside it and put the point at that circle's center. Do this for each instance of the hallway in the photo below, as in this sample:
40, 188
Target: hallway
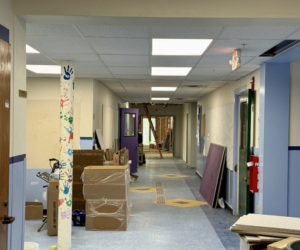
158, 226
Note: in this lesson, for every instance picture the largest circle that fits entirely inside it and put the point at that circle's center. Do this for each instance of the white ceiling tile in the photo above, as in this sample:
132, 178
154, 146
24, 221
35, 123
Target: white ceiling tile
125, 60
131, 76
174, 61
250, 48
295, 35
114, 30
79, 57
90, 69
120, 46
38, 59
257, 32
205, 84
52, 44
185, 31
61, 30
129, 70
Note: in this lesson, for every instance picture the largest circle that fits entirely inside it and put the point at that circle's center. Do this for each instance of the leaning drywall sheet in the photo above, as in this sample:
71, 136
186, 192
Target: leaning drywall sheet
220, 129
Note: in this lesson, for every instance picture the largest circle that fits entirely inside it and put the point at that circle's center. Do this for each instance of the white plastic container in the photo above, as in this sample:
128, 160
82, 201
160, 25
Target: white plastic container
31, 246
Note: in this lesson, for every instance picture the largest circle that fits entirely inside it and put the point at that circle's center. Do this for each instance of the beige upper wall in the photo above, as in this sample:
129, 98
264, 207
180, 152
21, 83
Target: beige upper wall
189, 131
43, 123
219, 110
161, 8
106, 112
295, 105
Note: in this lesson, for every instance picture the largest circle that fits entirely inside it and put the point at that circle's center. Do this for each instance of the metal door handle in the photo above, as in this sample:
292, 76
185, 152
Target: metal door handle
8, 219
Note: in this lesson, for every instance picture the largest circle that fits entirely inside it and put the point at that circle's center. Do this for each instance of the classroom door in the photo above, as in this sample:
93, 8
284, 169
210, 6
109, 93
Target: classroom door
129, 135
4, 140
245, 115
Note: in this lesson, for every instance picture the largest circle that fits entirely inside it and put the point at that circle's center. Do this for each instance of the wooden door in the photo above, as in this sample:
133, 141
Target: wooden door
4, 138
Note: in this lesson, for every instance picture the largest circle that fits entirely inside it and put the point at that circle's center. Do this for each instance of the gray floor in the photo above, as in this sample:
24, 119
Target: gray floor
157, 226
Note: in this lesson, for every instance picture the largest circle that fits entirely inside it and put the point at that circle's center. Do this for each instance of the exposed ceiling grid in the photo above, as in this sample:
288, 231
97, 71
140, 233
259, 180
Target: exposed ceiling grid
117, 51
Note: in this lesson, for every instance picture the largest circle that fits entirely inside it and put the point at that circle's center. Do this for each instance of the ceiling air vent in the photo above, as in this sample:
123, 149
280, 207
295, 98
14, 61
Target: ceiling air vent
195, 86
279, 48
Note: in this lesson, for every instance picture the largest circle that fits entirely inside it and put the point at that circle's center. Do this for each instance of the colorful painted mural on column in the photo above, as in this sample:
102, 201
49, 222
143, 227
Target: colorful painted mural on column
66, 156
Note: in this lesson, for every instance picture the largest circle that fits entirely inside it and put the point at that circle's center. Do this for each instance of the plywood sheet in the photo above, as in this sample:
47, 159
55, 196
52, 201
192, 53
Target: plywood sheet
212, 171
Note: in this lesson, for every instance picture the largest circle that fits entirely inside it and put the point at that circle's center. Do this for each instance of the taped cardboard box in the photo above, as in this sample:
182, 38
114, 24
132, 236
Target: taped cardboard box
105, 175
33, 210
52, 207
116, 191
77, 172
114, 223
106, 207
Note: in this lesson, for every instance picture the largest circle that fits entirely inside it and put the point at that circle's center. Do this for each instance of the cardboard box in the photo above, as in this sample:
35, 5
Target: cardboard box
105, 223
106, 207
77, 172
116, 191
282, 244
52, 207
77, 190
33, 210
78, 203
88, 157
101, 175
109, 154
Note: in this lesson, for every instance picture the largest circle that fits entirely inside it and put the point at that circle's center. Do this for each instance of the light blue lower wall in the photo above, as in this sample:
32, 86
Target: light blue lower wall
294, 182
17, 174
34, 186
86, 143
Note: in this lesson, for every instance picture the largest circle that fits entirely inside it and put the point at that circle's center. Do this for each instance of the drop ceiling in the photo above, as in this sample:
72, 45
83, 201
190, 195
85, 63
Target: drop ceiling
117, 51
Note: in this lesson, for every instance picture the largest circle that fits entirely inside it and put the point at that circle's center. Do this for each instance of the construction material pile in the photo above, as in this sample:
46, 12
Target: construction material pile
258, 229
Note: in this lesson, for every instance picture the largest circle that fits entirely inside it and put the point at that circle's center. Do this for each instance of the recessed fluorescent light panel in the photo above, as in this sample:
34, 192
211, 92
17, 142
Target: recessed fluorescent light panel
30, 50
160, 98
44, 69
170, 71
179, 47
164, 89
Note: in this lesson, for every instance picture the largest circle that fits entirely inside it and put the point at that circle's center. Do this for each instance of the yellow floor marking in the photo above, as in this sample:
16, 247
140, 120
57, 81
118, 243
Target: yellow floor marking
171, 176
184, 203
143, 189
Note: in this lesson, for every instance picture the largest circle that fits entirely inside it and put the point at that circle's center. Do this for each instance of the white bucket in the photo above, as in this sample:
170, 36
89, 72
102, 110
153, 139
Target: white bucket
31, 246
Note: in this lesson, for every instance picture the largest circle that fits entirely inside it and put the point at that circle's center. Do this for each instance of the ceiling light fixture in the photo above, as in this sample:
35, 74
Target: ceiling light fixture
160, 98
179, 47
170, 71
163, 88
30, 50
44, 69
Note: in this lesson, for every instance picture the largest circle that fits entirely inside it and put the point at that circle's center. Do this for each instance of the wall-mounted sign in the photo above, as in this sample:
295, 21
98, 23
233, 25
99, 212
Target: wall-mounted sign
236, 59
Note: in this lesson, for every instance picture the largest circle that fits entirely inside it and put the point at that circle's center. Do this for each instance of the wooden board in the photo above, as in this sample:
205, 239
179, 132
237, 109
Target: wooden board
212, 171
267, 225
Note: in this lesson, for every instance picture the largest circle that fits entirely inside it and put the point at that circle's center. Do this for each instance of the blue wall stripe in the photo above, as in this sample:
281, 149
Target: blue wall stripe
294, 148
17, 158
86, 138
4, 33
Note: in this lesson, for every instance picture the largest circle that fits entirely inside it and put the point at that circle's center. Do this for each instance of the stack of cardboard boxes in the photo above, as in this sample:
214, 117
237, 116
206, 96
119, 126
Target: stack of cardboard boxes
105, 191
83, 158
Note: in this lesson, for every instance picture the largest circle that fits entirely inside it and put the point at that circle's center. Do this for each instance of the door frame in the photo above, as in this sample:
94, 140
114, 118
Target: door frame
235, 189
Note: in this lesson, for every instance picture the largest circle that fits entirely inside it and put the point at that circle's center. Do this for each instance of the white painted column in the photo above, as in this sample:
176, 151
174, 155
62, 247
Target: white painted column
66, 157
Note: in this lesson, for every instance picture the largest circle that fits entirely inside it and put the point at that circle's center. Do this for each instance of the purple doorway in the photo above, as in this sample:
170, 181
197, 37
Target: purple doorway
129, 135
